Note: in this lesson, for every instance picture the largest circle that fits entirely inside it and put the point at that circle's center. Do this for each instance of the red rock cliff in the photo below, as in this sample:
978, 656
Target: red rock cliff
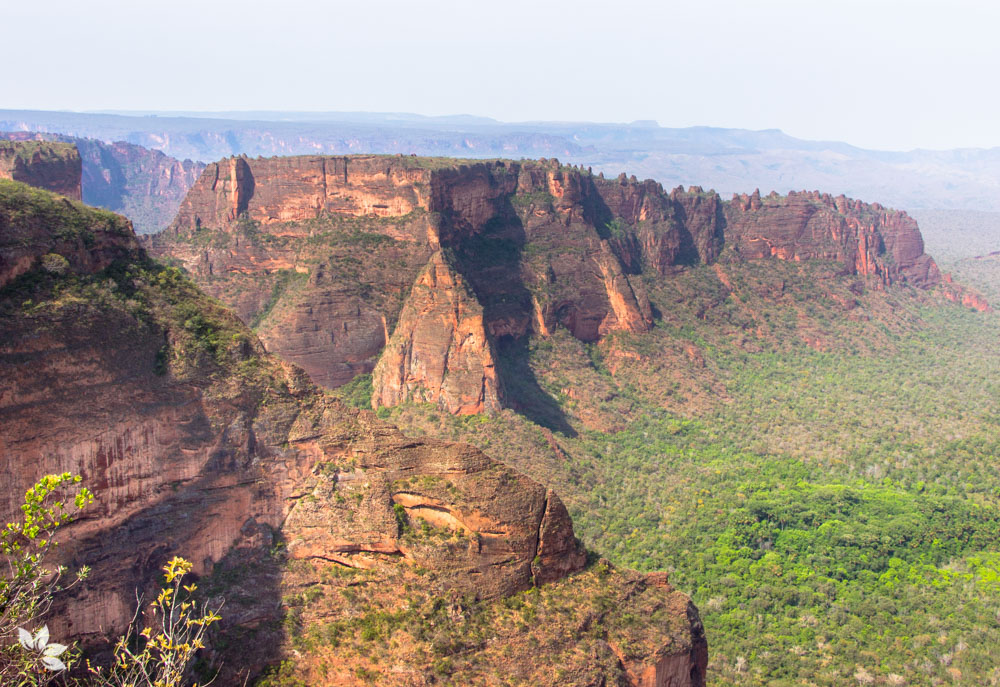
440, 351
881, 244
362, 228
540, 246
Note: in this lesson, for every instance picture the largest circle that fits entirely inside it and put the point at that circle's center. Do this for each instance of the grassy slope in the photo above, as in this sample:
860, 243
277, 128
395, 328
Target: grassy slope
821, 475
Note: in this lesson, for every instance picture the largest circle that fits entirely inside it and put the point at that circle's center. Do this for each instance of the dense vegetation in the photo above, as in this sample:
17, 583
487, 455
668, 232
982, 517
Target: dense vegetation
816, 467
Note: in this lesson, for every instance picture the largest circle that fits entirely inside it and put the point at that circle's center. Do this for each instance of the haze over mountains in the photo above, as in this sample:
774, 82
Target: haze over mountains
728, 160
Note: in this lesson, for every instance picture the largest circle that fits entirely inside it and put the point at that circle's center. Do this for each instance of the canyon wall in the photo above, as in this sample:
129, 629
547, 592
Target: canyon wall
144, 185
323, 255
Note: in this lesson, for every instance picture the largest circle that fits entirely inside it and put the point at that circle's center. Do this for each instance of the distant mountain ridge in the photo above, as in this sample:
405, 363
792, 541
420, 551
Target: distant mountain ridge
727, 160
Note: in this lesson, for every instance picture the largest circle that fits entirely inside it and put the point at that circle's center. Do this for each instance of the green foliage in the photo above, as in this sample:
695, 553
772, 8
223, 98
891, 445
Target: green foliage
26, 586
281, 675
835, 514
158, 656
522, 201
357, 392
24, 207
46, 151
402, 521
616, 228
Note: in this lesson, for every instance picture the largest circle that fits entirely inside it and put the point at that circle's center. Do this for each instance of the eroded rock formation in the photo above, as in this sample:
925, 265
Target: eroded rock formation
539, 246
881, 244
440, 351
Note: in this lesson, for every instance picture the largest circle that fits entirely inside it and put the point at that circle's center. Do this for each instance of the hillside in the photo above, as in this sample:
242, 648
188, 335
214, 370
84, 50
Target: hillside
780, 399
345, 552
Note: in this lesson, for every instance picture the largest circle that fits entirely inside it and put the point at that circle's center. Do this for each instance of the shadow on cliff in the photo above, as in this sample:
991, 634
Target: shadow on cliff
699, 228
522, 391
490, 261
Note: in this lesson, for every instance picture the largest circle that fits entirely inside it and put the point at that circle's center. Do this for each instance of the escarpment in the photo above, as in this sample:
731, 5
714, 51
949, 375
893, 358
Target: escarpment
52, 166
880, 244
324, 257
292, 506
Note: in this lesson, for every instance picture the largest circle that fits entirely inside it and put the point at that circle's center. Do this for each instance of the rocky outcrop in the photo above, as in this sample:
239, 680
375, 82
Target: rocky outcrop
882, 245
368, 511
440, 351
958, 293
41, 231
663, 667
538, 245
54, 167
198, 444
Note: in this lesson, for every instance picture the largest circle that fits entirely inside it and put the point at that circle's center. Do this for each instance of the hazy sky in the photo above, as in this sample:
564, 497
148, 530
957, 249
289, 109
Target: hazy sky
878, 74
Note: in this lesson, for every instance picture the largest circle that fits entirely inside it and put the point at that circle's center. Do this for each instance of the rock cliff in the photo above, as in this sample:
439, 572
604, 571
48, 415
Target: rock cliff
329, 258
882, 245
440, 351
53, 166
311, 519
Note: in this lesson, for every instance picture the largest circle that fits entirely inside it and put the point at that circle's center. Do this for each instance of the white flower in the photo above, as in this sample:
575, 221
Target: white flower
40, 644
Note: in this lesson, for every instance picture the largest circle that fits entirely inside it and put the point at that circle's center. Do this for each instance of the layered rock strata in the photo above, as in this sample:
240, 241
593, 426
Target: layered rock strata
440, 351
539, 246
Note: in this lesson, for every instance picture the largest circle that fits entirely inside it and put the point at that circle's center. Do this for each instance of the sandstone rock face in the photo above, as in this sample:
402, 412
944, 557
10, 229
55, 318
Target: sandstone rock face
869, 240
196, 443
288, 189
646, 666
537, 244
507, 520
440, 351
53, 166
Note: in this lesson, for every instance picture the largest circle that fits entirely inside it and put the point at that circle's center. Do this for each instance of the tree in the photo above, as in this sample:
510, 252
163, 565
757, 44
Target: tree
27, 587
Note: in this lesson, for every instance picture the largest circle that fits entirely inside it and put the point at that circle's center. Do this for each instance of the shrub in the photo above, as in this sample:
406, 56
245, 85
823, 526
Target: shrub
160, 655
26, 587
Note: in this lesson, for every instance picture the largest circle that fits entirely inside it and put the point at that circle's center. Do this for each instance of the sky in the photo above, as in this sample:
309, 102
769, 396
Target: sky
882, 74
